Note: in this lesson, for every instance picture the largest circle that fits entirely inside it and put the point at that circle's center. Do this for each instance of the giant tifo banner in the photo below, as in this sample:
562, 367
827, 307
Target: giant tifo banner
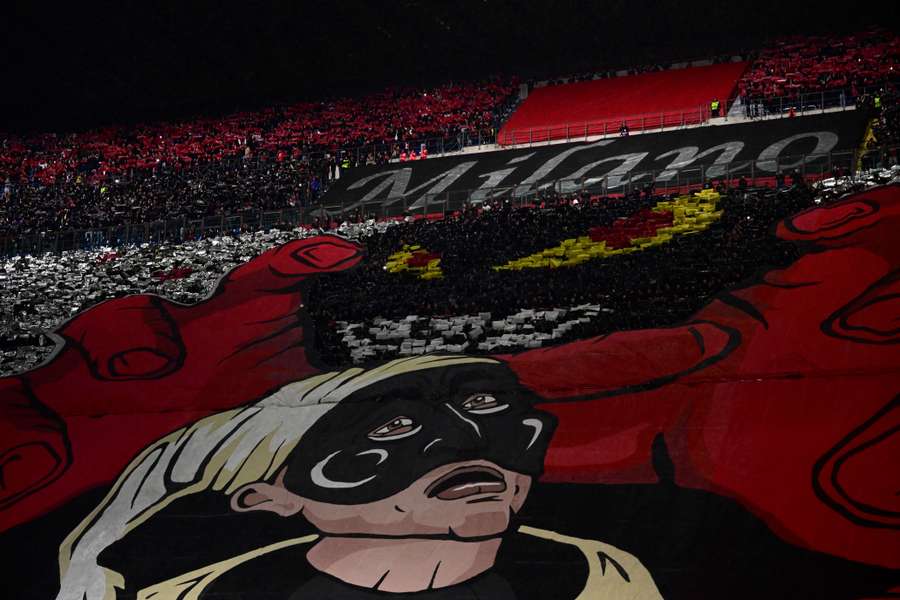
185, 452
761, 149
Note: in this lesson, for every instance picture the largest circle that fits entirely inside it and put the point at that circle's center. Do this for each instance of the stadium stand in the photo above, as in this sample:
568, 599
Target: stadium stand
839, 68
886, 122
229, 186
651, 100
391, 118
286, 157
278, 157
470, 304
264, 355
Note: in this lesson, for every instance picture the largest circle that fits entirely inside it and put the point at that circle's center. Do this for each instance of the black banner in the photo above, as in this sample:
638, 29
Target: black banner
757, 148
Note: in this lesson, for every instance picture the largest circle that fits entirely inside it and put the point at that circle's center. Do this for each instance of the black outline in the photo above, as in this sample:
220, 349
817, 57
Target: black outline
174, 335
867, 298
839, 462
64, 462
790, 226
434, 576
734, 340
791, 286
603, 560
381, 580
121, 358
744, 306
820, 465
698, 338
260, 340
59, 467
296, 255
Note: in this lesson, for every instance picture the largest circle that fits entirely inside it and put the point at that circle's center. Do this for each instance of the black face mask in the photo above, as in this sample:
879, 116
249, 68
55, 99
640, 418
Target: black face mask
381, 439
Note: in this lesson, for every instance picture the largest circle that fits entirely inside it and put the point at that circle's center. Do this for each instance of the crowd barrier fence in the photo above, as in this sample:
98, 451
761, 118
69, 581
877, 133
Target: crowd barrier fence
752, 108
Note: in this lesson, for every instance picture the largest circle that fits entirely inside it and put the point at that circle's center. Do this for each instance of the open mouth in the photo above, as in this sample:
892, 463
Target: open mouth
467, 481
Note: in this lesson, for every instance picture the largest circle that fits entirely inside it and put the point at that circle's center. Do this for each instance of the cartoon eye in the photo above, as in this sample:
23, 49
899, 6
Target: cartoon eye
483, 404
395, 429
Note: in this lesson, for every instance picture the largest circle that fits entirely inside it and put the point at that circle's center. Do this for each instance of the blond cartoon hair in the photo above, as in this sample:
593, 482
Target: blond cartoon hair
220, 453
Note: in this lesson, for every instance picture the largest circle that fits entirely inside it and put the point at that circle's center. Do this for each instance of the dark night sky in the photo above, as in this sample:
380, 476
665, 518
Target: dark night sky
83, 64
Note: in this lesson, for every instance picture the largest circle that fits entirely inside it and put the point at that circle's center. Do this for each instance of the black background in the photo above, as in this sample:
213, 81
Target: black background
79, 64
696, 545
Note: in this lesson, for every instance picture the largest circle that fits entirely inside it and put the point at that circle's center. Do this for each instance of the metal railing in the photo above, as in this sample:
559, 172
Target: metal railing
800, 103
604, 127
752, 108
811, 167
380, 152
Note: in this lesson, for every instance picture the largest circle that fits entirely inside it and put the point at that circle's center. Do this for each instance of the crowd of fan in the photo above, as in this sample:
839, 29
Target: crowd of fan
284, 157
642, 289
654, 287
233, 187
808, 65
37, 293
886, 115
395, 115
273, 158
477, 310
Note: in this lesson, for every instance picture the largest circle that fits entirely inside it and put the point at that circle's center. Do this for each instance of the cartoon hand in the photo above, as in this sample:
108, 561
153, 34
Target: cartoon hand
132, 369
795, 414
33, 444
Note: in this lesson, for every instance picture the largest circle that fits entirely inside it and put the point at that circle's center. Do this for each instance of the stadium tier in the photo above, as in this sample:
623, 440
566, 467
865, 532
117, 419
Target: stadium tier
277, 355
814, 145
670, 98
389, 118
667, 321
806, 65
287, 157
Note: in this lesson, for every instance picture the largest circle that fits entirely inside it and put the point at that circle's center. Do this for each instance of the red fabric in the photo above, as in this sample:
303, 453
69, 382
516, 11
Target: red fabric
786, 399
175, 273
782, 394
601, 105
135, 367
421, 258
622, 231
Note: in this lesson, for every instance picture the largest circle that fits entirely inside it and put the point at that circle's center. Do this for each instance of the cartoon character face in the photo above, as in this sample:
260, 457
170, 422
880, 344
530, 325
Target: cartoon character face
459, 500
448, 451
379, 440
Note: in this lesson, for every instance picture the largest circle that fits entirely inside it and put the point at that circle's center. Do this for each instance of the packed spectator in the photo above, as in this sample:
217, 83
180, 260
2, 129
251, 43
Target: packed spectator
658, 287
637, 290
477, 309
277, 158
394, 117
286, 156
844, 67
885, 110
233, 187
